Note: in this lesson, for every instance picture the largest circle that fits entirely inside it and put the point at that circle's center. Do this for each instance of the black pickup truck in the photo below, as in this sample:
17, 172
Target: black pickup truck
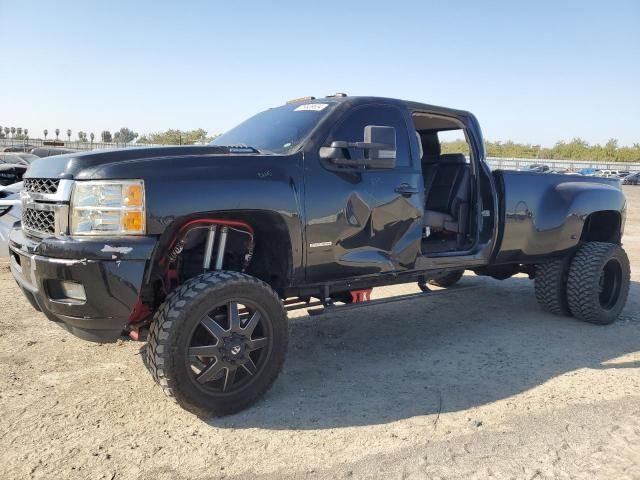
312, 203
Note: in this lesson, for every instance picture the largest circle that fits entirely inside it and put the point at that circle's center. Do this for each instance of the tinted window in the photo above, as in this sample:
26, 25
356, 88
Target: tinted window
277, 130
351, 129
22, 158
25, 158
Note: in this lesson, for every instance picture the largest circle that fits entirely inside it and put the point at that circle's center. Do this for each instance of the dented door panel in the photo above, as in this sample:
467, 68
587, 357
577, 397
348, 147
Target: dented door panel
358, 223
361, 228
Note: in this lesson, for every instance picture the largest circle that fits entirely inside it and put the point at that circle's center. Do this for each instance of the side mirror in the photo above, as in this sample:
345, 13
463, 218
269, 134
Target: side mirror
382, 146
379, 145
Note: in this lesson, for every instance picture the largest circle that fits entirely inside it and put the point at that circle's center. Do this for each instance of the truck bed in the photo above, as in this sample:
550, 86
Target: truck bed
543, 213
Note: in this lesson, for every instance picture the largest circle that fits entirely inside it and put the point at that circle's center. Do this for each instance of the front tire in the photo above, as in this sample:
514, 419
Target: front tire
598, 283
218, 342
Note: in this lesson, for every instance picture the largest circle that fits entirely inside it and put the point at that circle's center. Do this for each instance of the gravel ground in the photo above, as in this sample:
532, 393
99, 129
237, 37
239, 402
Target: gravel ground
478, 383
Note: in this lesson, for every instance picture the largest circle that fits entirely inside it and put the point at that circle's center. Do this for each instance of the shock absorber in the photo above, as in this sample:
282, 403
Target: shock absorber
208, 249
176, 250
221, 247
212, 225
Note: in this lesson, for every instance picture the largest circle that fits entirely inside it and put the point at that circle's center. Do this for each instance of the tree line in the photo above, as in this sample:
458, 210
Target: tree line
124, 135
178, 137
576, 149
169, 137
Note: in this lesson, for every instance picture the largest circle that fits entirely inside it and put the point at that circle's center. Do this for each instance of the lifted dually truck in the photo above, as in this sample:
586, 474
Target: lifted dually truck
311, 203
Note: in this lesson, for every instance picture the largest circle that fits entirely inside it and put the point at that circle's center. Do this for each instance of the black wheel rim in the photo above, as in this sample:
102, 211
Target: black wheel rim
228, 347
610, 284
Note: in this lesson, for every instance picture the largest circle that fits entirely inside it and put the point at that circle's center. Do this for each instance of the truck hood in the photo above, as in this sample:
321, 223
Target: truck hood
73, 165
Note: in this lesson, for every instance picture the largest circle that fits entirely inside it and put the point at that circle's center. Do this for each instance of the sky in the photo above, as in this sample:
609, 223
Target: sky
533, 72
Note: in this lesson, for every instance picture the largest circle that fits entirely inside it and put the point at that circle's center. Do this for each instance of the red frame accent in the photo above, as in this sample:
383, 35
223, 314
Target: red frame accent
140, 312
359, 296
134, 334
213, 221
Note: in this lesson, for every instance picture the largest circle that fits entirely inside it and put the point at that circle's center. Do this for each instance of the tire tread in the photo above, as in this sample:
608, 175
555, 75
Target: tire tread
550, 286
163, 325
583, 277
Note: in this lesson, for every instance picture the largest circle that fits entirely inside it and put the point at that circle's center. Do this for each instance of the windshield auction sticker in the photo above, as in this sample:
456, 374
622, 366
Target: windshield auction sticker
311, 107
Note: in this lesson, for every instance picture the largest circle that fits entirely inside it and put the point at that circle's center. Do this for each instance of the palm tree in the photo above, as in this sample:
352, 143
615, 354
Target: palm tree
6, 131
46, 132
13, 131
57, 133
69, 134
26, 134
92, 136
19, 131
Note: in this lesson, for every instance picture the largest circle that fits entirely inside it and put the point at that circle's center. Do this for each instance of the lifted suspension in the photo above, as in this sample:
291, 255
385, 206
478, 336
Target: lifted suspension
142, 312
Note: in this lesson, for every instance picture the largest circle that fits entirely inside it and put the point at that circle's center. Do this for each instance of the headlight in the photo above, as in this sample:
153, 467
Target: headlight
108, 207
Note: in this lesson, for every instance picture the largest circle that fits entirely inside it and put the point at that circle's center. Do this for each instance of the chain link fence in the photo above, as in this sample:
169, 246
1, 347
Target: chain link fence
573, 165
76, 145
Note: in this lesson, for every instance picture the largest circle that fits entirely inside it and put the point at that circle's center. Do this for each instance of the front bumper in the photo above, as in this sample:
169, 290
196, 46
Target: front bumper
112, 280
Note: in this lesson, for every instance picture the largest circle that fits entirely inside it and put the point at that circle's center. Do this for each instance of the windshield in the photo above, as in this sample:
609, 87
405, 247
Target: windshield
277, 130
28, 158
19, 158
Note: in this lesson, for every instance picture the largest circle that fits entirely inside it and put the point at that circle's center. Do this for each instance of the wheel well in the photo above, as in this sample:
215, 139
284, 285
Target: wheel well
603, 226
257, 243
272, 256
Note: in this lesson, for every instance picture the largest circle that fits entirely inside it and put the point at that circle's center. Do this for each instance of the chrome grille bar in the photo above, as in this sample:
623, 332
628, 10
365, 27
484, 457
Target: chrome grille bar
45, 206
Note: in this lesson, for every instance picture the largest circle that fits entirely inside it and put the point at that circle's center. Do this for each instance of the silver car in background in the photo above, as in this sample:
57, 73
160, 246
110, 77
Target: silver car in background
10, 214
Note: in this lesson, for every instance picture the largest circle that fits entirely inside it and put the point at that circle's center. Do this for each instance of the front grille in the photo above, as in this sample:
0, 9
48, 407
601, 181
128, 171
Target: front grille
39, 221
41, 185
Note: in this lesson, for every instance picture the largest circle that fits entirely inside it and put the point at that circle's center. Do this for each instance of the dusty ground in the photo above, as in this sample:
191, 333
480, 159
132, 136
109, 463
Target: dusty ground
471, 384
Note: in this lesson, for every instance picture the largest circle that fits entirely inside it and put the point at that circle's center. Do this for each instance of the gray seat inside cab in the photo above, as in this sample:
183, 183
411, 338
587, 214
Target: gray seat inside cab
447, 188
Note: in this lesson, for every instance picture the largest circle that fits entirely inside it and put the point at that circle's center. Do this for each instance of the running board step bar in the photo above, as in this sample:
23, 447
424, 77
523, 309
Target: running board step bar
381, 301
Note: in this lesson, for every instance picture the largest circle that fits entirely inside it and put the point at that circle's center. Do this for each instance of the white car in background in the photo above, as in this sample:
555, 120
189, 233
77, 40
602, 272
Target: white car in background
613, 173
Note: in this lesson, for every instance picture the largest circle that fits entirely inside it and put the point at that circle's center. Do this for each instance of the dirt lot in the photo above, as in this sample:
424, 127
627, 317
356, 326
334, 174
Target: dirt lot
472, 384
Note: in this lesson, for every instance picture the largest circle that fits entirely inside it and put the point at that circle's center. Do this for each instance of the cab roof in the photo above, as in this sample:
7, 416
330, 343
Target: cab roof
412, 106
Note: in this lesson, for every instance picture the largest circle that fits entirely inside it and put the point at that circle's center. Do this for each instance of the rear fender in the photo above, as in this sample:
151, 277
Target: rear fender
552, 222
567, 207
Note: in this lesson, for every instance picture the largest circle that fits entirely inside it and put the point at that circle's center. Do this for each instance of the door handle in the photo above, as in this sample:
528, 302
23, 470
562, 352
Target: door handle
406, 190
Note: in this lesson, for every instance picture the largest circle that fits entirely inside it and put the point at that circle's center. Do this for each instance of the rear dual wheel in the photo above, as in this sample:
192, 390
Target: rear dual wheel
551, 286
598, 282
218, 342
592, 286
